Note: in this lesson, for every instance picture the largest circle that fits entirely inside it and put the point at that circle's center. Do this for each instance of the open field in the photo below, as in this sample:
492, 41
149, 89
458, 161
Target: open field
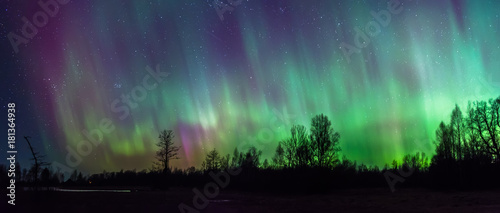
354, 200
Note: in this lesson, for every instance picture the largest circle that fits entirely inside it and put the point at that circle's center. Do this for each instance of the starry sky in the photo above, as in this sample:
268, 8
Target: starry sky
134, 68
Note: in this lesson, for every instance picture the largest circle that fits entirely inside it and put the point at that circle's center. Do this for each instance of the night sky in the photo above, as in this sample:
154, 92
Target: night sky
244, 80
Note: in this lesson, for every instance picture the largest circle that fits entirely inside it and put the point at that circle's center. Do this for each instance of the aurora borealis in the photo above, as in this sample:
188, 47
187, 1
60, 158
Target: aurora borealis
246, 79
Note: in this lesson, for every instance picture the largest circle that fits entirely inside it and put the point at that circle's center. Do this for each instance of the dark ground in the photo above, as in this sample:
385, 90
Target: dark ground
353, 200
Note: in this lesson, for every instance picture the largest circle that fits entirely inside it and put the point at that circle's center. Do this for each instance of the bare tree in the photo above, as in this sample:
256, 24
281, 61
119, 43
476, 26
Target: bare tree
444, 146
39, 162
290, 147
167, 151
300, 146
324, 141
484, 120
475, 137
457, 133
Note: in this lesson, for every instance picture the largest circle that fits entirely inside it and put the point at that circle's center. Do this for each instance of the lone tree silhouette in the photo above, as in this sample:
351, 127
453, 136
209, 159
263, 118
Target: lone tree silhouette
167, 150
39, 162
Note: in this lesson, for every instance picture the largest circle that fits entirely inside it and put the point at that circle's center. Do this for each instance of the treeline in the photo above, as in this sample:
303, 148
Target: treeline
316, 150
467, 156
42, 177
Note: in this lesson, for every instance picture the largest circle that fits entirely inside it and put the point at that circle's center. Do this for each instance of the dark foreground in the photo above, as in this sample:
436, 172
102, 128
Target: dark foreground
354, 200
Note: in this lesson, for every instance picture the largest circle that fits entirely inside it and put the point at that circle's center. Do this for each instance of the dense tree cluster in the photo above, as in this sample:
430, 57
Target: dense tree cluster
317, 149
469, 145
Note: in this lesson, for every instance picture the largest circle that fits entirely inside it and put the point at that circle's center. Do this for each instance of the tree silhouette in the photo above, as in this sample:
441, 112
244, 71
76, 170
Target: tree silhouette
418, 161
167, 151
224, 162
235, 162
457, 131
279, 157
212, 161
303, 152
265, 165
394, 164
39, 162
291, 145
252, 158
45, 176
443, 144
324, 141
472, 138
475, 149
468, 145
484, 120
